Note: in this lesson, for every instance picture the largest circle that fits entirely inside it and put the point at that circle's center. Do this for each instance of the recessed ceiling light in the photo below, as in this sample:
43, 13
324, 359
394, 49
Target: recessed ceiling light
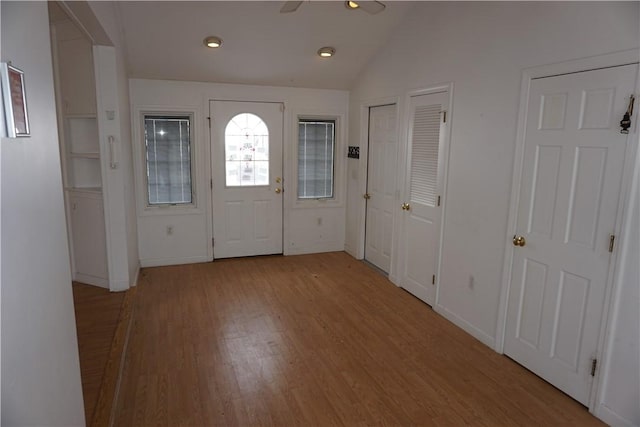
213, 42
351, 5
326, 52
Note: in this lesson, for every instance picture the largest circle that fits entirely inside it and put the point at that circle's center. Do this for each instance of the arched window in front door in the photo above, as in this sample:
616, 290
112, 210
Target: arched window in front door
246, 151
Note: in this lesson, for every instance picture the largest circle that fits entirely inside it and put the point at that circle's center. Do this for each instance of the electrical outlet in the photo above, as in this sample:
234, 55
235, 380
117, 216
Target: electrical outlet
169, 230
319, 220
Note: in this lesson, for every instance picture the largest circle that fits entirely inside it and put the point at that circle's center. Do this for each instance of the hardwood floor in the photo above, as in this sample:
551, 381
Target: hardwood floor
97, 313
313, 340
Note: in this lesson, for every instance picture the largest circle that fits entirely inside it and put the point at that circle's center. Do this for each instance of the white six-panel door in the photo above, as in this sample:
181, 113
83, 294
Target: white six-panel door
569, 195
381, 184
420, 237
246, 165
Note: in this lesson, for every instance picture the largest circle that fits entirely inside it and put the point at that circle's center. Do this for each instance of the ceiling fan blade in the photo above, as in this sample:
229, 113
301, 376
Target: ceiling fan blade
290, 6
371, 7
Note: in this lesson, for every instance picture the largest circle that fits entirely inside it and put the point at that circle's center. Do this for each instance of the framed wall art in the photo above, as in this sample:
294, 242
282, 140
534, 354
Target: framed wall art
14, 100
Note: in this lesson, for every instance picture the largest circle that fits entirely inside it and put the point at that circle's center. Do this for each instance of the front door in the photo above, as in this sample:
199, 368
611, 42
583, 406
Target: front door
246, 139
422, 208
381, 172
573, 158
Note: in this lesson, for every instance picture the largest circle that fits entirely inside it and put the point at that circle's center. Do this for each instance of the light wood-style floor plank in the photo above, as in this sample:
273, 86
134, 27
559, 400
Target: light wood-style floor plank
105, 405
317, 339
97, 314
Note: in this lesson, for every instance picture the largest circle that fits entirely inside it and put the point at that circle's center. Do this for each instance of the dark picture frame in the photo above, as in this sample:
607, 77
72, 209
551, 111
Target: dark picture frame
14, 101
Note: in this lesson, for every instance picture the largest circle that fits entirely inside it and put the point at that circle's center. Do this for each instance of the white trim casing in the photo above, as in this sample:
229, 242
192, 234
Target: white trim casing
339, 163
110, 139
136, 276
613, 285
142, 204
629, 199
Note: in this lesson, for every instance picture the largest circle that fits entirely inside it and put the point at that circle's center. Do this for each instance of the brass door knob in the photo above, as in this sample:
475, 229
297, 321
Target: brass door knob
278, 190
519, 241
367, 196
406, 207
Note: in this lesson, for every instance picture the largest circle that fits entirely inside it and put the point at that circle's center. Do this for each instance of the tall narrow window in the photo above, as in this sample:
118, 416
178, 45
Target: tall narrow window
316, 152
168, 159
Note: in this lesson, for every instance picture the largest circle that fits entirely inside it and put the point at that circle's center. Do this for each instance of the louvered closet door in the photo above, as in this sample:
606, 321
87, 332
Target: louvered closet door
422, 216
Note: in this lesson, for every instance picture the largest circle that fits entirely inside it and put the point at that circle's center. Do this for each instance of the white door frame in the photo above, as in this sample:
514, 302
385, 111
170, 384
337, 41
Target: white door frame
367, 145
209, 152
363, 168
612, 285
404, 192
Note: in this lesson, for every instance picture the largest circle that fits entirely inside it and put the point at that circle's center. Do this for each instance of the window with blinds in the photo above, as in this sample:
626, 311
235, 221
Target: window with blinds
316, 152
425, 140
167, 142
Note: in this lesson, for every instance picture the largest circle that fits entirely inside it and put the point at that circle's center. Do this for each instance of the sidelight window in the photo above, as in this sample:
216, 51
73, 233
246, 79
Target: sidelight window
316, 153
168, 159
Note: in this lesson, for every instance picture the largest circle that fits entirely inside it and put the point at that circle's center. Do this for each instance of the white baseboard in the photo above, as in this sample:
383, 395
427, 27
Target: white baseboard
159, 262
315, 249
136, 276
466, 326
608, 416
350, 251
91, 280
118, 285
394, 279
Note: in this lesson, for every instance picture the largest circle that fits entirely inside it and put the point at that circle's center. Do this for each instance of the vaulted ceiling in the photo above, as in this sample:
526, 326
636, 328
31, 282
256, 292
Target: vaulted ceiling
164, 40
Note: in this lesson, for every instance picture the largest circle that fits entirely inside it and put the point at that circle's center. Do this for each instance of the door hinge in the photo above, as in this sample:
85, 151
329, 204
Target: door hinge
433, 279
612, 241
213, 242
282, 108
211, 183
594, 365
209, 118
444, 116
438, 200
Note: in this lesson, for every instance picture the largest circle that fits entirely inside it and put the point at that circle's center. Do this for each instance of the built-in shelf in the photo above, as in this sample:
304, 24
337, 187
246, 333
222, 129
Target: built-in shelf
74, 75
84, 172
83, 151
92, 190
84, 155
82, 134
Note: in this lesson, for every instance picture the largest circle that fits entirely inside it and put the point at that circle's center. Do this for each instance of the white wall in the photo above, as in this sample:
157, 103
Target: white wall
107, 15
482, 48
191, 237
40, 368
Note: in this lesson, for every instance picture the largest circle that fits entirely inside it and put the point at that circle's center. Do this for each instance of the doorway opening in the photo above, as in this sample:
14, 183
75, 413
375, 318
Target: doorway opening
382, 155
247, 178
